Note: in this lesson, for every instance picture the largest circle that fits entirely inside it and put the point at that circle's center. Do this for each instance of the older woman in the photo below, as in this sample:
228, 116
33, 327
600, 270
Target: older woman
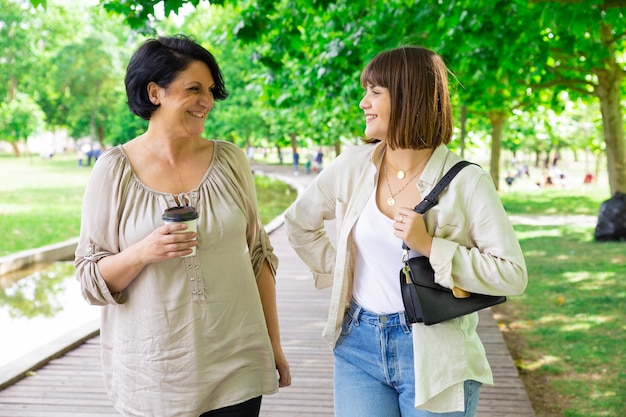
181, 335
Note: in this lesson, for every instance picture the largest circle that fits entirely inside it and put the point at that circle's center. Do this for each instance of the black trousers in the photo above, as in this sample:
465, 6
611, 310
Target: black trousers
250, 408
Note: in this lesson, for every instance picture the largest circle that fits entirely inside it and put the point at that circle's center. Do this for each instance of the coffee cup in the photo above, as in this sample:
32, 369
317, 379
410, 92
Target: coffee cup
183, 214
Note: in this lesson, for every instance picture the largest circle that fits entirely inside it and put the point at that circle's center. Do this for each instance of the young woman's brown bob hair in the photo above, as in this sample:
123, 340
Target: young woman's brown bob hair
417, 80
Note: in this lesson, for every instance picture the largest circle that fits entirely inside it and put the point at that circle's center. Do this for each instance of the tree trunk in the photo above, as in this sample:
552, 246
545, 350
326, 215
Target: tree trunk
497, 118
279, 153
608, 91
610, 77
100, 138
16, 149
294, 142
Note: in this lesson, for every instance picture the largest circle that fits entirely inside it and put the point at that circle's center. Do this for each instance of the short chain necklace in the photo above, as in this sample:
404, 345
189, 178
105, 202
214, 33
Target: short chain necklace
400, 173
391, 201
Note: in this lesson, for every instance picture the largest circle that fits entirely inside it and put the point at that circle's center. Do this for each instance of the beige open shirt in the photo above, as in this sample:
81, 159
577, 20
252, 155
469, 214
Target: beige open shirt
189, 334
474, 248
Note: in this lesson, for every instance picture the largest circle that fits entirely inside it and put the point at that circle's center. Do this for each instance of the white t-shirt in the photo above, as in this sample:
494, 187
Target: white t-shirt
378, 261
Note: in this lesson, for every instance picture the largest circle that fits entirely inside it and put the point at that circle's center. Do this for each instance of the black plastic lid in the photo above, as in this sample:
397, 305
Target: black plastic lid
180, 214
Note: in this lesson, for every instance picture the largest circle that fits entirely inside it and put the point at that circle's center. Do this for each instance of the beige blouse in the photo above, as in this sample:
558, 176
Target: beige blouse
189, 334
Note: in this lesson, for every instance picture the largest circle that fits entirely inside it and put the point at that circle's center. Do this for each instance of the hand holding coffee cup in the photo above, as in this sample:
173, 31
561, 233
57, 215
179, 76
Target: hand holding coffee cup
184, 214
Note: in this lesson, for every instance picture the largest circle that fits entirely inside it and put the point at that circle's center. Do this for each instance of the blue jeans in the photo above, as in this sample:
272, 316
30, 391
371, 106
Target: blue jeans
373, 375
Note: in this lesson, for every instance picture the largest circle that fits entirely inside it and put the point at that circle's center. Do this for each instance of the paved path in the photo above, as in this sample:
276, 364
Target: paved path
68, 380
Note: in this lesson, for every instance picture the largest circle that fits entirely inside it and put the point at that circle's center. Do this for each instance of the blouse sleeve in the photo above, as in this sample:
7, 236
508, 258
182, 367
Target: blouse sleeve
99, 231
259, 244
485, 257
305, 223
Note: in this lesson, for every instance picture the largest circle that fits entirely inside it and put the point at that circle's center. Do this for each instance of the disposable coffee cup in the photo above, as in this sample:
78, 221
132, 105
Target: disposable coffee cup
183, 214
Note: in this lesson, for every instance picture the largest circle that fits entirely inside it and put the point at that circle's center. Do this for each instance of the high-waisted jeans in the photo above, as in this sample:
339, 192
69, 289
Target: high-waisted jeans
373, 372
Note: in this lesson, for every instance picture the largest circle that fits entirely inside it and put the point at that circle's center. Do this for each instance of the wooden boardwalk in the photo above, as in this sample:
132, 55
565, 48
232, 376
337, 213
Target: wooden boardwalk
70, 384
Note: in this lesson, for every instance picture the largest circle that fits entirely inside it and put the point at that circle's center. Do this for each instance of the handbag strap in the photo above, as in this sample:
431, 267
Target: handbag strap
432, 199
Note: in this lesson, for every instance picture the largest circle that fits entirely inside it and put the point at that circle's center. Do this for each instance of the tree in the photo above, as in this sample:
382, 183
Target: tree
52, 31
87, 74
587, 56
20, 118
16, 46
239, 118
16, 57
505, 50
471, 40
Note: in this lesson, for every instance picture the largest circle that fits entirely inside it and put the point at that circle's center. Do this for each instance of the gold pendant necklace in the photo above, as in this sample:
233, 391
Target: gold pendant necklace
391, 201
400, 174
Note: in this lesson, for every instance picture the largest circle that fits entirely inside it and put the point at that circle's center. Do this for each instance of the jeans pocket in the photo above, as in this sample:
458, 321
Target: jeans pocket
348, 323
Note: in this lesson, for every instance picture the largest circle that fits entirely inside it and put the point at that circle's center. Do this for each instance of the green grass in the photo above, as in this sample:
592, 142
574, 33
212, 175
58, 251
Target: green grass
42, 199
578, 201
571, 317
273, 197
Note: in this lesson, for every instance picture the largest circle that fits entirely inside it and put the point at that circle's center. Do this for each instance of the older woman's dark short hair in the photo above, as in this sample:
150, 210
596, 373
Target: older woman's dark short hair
160, 60
417, 79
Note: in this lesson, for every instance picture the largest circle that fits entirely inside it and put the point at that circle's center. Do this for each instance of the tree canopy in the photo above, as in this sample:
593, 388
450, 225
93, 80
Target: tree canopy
295, 64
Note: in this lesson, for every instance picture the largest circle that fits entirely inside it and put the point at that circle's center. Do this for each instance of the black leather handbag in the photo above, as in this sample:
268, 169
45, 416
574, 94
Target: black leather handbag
424, 300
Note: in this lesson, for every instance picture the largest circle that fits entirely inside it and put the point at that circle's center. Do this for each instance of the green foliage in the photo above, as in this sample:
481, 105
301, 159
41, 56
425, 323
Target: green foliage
89, 72
70, 60
17, 47
124, 125
20, 117
293, 66
140, 14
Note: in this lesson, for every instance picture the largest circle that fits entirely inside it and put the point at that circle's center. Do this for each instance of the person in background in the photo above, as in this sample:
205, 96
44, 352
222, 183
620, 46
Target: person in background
309, 163
384, 366
296, 162
318, 160
181, 335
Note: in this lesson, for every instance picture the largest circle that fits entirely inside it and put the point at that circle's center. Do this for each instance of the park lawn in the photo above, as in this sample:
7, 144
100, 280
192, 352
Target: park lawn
555, 201
42, 200
571, 319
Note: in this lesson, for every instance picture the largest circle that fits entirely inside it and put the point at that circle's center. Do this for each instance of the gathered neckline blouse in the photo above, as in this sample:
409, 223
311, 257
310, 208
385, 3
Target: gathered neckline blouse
188, 335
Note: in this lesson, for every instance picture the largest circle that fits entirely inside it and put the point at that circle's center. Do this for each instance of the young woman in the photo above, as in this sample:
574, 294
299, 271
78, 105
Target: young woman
385, 366
181, 335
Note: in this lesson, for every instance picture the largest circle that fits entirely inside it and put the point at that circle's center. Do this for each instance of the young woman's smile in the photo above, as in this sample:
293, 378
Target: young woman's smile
377, 106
